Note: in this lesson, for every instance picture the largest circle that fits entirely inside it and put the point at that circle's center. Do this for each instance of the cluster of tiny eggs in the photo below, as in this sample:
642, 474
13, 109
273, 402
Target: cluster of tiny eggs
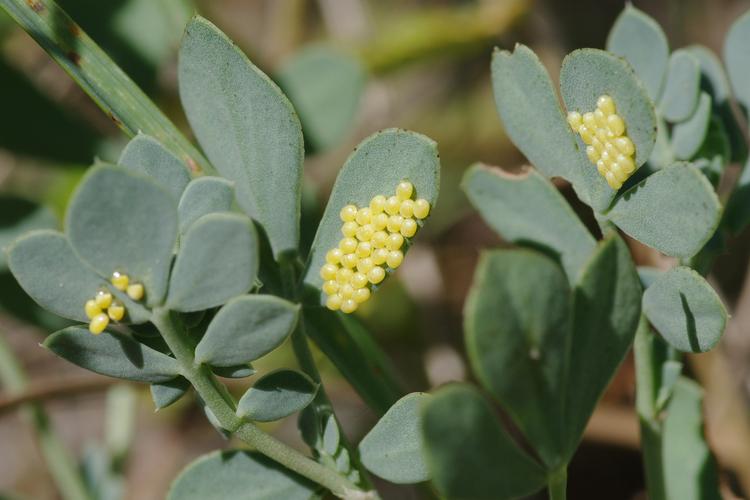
607, 145
373, 239
103, 307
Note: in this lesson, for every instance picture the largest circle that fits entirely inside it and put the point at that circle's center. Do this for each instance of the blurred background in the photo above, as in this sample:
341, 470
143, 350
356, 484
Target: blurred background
350, 67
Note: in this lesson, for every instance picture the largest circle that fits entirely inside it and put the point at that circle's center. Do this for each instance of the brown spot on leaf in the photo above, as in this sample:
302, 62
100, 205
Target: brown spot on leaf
114, 119
192, 165
74, 29
35, 5
74, 57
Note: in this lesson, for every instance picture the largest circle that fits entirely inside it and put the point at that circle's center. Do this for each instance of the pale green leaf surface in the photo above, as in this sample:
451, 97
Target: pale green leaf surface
685, 310
247, 127
662, 154
737, 59
218, 260
19, 216
277, 395
331, 435
377, 165
682, 87
239, 475
641, 41
674, 210
468, 453
236, 371
245, 329
166, 393
527, 209
122, 221
517, 324
112, 354
688, 136
146, 155
203, 196
392, 449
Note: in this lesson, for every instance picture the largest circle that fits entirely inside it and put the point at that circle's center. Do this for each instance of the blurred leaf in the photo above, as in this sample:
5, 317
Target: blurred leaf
527, 209
393, 448
247, 127
147, 156
682, 87
121, 221
112, 354
326, 86
203, 196
277, 395
688, 136
464, 445
737, 213
685, 310
218, 260
674, 210
517, 328
738, 59
165, 393
648, 275
17, 217
377, 165
331, 435
689, 468
236, 371
662, 154
641, 41
606, 311
238, 475
245, 329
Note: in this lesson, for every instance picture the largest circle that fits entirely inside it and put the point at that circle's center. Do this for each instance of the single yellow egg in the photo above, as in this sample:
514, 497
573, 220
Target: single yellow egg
364, 249
392, 205
404, 190
395, 241
361, 295
376, 275
409, 228
334, 302
330, 287
103, 299
377, 204
116, 311
575, 120
394, 223
333, 256
407, 209
592, 153
120, 280
364, 216
348, 213
92, 309
346, 291
348, 245
98, 323
379, 256
421, 208
606, 104
343, 275
349, 260
625, 145
364, 265
364, 233
380, 221
349, 229
616, 125
135, 291
589, 121
587, 135
395, 258
359, 280
378, 239
328, 271
348, 306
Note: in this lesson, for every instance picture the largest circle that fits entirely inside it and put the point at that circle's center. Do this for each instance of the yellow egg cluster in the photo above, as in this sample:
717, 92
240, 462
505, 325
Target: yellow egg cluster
607, 145
103, 307
373, 239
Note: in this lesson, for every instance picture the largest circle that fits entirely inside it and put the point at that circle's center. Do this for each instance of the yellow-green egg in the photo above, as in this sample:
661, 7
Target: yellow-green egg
348, 213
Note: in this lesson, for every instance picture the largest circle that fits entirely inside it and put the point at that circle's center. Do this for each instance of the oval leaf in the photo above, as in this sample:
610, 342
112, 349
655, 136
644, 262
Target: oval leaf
236, 371
738, 60
245, 329
146, 155
464, 443
392, 449
247, 127
377, 165
674, 211
688, 136
218, 260
112, 354
166, 393
123, 221
684, 308
239, 475
277, 395
204, 196
682, 87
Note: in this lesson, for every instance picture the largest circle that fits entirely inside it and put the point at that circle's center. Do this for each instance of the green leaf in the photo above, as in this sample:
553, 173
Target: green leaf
469, 454
738, 60
331, 435
247, 127
531, 114
517, 324
110, 88
245, 329
690, 471
662, 154
641, 41
688, 136
277, 395
236, 371
147, 156
49, 271
354, 352
326, 86
737, 213
606, 311
682, 87
122, 221
239, 475
527, 209
17, 217
587, 74
166, 393
204, 196
377, 165
392, 449
674, 210
112, 354
218, 260
684, 308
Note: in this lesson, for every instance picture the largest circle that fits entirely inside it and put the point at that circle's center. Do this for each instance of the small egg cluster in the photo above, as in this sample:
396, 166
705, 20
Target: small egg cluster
372, 243
103, 307
607, 145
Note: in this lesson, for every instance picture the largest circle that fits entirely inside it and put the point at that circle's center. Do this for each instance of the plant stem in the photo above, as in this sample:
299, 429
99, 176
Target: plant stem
60, 463
558, 482
208, 388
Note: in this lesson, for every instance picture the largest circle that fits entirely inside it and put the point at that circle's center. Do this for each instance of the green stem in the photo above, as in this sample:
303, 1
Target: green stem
208, 388
60, 463
558, 482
